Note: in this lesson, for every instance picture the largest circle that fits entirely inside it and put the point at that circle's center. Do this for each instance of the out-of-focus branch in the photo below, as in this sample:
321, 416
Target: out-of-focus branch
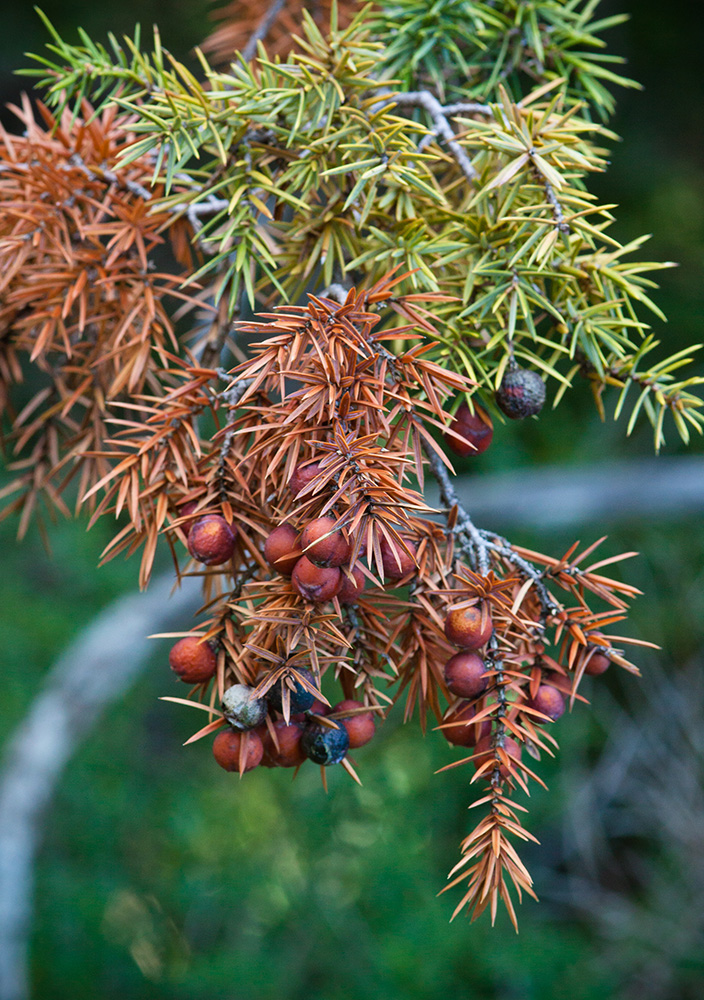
555, 497
94, 671
637, 818
275, 8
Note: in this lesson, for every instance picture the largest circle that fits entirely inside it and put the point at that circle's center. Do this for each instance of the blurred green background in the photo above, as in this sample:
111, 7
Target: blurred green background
160, 876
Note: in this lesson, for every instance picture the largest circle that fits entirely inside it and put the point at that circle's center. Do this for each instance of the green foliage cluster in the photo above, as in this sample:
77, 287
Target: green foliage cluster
326, 169
464, 48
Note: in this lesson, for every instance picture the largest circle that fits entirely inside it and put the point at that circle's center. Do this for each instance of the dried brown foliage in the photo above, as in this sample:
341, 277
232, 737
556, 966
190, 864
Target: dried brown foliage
275, 24
81, 298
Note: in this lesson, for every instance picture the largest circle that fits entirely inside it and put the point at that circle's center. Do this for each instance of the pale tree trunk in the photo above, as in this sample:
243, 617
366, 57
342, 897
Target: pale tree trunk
94, 671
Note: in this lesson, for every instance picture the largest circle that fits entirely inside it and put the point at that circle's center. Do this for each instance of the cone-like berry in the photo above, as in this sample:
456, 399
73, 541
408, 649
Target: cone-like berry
397, 562
322, 544
300, 698
290, 752
185, 526
315, 583
193, 660
521, 393
228, 747
362, 545
598, 663
558, 681
469, 733
464, 627
324, 745
211, 540
476, 428
360, 728
281, 549
464, 675
350, 591
484, 752
241, 709
549, 701
317, 708
301, 476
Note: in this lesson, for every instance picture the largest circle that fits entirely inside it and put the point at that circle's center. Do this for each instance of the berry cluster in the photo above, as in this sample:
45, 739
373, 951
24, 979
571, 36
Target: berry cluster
288, 726
284, 727
321, 565
285, 722
291, 722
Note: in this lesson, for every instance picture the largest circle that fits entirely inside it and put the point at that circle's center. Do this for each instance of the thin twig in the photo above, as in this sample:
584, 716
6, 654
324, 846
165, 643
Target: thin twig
336, 291
231, 397
484, 543
499, 734
442, 128
262, 30
219, 331
99, 174
557, 212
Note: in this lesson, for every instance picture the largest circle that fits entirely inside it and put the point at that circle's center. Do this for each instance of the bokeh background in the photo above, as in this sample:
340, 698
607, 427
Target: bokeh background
159, 876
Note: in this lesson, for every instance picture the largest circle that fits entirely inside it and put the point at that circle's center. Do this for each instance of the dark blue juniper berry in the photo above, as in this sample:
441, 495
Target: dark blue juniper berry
300, 698
325, 745
521, 393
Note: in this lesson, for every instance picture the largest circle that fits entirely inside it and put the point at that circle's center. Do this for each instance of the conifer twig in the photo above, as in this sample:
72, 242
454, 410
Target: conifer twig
442, 128
485, 542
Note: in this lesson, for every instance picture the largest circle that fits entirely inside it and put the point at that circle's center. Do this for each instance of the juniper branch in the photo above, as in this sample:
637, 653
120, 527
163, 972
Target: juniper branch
500, 728
556, 207
442, 128
231, 397
482, 542
95, 173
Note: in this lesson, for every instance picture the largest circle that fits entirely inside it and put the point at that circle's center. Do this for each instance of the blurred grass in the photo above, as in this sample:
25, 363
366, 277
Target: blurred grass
162, 877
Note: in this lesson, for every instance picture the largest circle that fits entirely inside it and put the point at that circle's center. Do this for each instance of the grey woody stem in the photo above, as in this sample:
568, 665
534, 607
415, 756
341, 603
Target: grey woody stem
485, 543
231, 397
441, 125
